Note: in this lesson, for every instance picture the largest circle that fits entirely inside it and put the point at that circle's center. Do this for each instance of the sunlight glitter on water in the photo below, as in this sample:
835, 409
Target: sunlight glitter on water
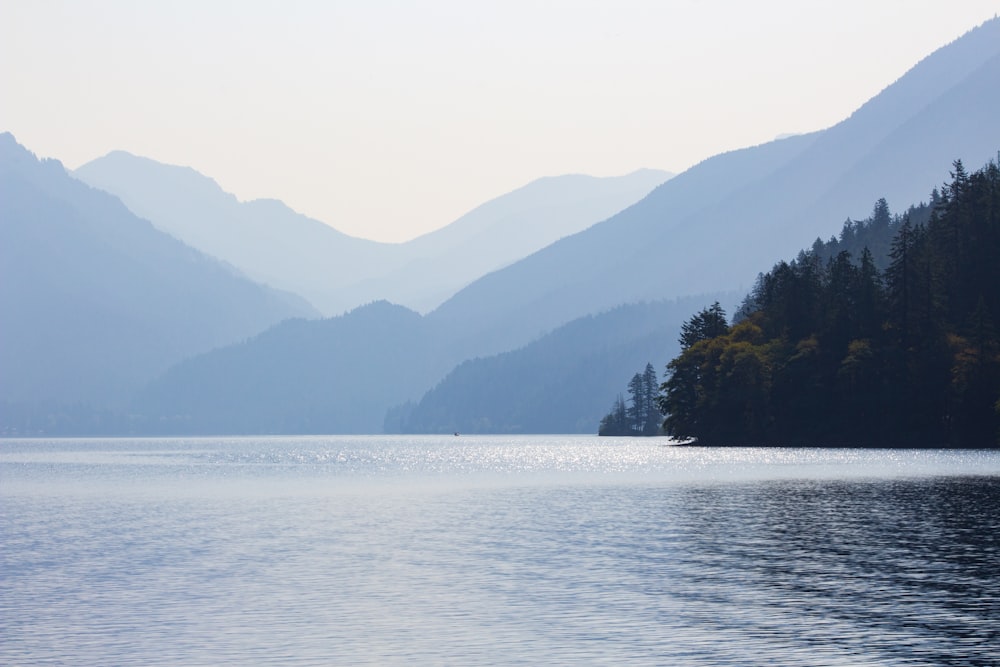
465, 460
494, 550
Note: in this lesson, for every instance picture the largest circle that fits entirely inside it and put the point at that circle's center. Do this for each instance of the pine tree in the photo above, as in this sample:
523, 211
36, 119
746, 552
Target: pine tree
636, 409
651, 390
616, 421
709, 323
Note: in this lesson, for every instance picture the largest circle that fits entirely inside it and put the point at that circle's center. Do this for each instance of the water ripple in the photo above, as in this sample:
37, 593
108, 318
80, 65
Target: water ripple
515, 551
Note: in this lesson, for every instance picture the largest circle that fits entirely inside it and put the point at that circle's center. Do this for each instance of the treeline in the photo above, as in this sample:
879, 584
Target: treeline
641, 415
845, 347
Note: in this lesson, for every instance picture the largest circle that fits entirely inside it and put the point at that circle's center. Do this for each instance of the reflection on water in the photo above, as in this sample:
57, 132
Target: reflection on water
495, 551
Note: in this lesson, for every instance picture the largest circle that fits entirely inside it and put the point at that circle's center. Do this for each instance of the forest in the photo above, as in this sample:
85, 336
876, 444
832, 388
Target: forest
884, 337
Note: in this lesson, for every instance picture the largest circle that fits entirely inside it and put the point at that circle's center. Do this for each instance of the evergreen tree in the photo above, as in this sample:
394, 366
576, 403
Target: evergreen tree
829, 350
708, 323
636, 408
640, 416
616, 421
651, 390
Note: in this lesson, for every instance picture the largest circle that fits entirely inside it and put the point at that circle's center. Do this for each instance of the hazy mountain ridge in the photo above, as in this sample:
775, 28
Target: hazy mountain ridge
503, 231
697, 233
273, 244
714, 227
263, 238
560, 383
94, 301
711, 229
504, 309
335, 375
342, 375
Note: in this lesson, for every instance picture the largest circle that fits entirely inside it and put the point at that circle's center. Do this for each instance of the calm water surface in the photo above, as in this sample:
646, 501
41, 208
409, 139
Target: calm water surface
487, 550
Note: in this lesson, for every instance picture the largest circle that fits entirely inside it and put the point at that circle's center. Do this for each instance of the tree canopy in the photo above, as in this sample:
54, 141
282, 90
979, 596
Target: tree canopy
831, 349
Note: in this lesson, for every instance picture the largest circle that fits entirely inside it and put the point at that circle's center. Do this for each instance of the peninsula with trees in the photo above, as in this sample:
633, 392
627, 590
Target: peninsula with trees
883, 337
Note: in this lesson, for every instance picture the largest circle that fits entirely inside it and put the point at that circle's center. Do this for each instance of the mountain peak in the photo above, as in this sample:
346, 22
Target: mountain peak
95, 301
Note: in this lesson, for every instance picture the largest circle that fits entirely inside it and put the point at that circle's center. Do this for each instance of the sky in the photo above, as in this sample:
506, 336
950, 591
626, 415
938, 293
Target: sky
388, 119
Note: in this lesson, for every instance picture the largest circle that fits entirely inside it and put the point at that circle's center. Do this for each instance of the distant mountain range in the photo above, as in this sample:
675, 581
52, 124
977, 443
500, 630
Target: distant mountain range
336, 375
274, 245
562, 383
717, 225
500, 232
94, 301
549, 326
366, 370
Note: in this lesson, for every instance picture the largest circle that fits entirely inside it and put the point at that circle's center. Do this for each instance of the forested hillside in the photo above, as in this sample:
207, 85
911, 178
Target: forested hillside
830, 350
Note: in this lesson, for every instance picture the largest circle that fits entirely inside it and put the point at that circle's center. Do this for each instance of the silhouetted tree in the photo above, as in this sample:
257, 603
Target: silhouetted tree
615, 422
651, 391
641, 416
708, 323
829, 350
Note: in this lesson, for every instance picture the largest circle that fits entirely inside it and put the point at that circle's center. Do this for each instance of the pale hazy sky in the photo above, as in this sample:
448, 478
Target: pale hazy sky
388, 119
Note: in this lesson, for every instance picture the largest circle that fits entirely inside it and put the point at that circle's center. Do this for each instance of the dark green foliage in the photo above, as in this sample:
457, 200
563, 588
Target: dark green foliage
830, 350
709, 323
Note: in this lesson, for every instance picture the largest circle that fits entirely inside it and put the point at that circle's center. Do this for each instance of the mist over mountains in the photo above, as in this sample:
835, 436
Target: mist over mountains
335, 375
533, 341
720, 223
94, 301
274, 245
560, 383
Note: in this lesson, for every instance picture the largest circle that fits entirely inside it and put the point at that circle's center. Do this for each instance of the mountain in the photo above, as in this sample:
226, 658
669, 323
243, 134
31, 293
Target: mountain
599, 268
343, 374
563, 382
336, 375
275, 245
711, 229
263, 238
715, 226
503, 231
94, 301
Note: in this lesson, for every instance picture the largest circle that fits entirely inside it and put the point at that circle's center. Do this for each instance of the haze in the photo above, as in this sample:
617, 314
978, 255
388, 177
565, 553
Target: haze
387, 120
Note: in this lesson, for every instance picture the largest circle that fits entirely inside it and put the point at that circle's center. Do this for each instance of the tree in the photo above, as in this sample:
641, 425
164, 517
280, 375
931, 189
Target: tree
901, 279
834, 352
641, 415
636, 408
616, 421
708, 323
651, 390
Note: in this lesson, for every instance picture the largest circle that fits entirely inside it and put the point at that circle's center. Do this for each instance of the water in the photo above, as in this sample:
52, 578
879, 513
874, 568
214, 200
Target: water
489, 550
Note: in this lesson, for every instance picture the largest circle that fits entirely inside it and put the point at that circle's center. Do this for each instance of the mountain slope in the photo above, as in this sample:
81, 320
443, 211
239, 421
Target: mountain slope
562, 383
717, 225
595, 270
709, 230
94, 301
503, 231
336, 375
342, 375
273, 244
265, 239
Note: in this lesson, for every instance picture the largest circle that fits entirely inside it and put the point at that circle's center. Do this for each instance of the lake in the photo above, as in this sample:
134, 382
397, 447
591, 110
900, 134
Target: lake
526, 550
